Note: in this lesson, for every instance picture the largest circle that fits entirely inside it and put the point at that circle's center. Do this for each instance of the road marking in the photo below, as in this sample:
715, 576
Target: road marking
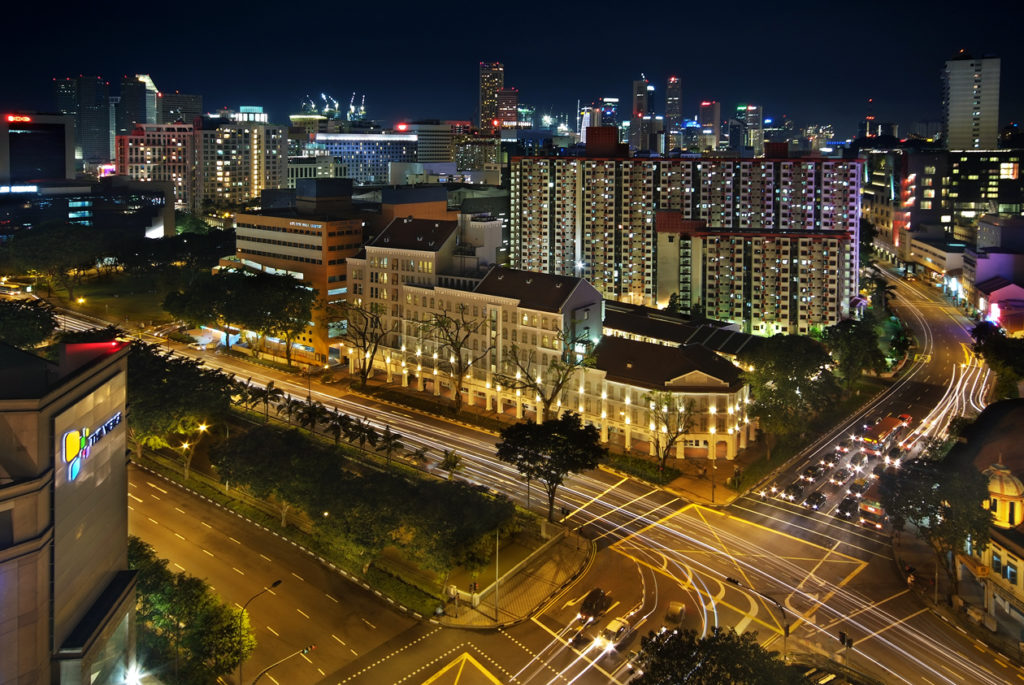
271, 591
1020, 676
274, 631
321, 671
273, 679
302, 612
154, 497
980, 649
131, 508
137, 499
153, 520
241, 573
298, 576
368, 623
210, 553
893, 625
206, 524
306, 658
1000, 662
339, 640
266, 557
595, 499
156, 487
331, 598
179, 535
355, 653
180, 566
180, 511
234, 540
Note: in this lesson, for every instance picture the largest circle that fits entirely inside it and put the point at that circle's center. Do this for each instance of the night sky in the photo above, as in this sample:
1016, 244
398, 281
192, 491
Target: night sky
815, 62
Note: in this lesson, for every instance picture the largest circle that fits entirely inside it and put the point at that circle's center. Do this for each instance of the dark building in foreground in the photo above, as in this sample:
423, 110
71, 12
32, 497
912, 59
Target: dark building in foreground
67, 598
36, 147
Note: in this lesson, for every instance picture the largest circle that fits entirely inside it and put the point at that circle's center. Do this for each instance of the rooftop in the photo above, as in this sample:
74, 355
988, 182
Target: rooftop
660, 367
407, 233
543, 292
674, 328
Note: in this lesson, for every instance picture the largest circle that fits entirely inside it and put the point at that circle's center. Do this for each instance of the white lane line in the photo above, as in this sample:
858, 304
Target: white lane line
180, 566
239, 605
206, 524
355, 653
234, 540
153, 520
306, 658
154, 497
273, 679
156, 487
179, 535
302, 612
321, 671
331, 598
241, 573
298, 576
180, 511
210, 553
368, 623
339, 640
131, 508
134, 497
265, 557
274, 631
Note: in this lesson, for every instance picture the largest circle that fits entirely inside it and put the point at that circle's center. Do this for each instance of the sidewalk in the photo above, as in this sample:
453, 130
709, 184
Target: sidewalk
520, 596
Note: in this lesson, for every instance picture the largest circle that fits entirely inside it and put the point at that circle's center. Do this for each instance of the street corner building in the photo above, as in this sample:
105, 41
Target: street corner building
67, 598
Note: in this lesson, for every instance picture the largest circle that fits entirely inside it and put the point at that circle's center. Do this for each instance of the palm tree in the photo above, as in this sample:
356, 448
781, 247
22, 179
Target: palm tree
364, 433
420, 454
269, 394
310, 413
290, 407
389, 443
451, 462
339, 424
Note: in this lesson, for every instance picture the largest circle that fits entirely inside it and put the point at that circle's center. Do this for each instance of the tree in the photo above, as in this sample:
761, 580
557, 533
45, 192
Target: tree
363, 432
790, 381
451, 461
290, 407
882, 293
58, 252
868, 232
389, 443
675, 304
419, 455
310, 413
677, 657
550, 451
270, 394
462, 341
672, 418
944, 502
26, 323
294, 314
854, 346
365, 333
339, 424
523, 371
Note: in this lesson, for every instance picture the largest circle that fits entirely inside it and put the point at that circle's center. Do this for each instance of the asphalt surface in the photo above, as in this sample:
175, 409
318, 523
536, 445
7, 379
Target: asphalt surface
808, 569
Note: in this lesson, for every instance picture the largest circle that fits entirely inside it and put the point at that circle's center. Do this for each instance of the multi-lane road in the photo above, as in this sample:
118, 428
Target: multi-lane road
792, 566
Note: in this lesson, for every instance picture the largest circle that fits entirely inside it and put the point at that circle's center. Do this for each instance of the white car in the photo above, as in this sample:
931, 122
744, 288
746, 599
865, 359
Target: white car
613, 633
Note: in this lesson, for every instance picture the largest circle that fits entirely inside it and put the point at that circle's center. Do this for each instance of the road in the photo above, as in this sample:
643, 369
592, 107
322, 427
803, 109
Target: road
829, 575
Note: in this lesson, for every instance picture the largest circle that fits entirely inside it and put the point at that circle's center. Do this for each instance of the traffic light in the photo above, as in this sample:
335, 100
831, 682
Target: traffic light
842, 638
308, 648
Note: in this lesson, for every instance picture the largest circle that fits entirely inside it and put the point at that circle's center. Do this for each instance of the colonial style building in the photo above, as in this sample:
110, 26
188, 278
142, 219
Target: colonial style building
517, 327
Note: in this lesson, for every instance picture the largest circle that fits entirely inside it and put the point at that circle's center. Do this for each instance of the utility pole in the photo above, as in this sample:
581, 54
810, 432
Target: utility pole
497, 539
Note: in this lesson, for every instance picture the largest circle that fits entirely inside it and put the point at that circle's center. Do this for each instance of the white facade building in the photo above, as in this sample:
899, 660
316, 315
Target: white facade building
971, 102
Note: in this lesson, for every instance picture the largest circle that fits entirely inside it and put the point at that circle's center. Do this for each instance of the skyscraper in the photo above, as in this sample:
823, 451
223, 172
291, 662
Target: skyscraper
710, 120
87, 99
175, 107
642, 93
971, 102
492, 79
138, 103
674, 103
508, 108
753, 120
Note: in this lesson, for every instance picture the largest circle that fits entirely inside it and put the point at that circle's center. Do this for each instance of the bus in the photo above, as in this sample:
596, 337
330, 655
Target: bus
879, 437
870, 513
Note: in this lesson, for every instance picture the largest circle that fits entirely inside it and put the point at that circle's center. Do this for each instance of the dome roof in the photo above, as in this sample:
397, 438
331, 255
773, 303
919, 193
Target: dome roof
1002, 483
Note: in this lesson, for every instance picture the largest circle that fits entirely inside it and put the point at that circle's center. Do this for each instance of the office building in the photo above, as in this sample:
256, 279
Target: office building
674, 111
68, 598
133, 208
366, 155
473, 152
87, 99
971, 102
491, 80
167, 153
321, 166
752, 118
178, 107
36, 147
310, 242
595, 217
710, 119
138, 103
508, 108
435, 140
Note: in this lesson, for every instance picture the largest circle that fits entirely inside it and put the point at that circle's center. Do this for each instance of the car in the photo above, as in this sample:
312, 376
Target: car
772, 491
613, 633
910, 277
905, 419
857, 488
814, 501
594, 605
830, 461
847, 508
859, 460
812, 473
840, 477
793, 493
843, 446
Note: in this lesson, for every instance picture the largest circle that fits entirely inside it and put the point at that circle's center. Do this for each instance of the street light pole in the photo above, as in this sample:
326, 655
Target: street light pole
241, 616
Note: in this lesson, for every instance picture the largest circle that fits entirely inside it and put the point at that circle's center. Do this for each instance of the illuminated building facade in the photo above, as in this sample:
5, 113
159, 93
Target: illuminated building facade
508, 108
166, 153
595, 217
366, 155
492, 80
87, 99
710, 119
68, 600
971, 102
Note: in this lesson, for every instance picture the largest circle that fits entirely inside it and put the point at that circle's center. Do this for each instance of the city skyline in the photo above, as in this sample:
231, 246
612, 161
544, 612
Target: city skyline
904, 80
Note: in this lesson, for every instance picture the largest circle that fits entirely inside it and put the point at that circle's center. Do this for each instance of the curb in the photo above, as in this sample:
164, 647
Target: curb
337, 569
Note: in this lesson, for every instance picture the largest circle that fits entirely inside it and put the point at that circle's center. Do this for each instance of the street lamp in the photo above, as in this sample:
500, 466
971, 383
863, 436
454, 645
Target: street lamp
241, 615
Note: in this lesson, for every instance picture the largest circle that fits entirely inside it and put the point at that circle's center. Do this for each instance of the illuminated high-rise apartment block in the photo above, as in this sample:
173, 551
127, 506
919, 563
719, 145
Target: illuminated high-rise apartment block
971, 102
492, 79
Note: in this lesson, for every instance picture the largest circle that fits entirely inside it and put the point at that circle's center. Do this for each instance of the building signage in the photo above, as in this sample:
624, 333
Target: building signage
78, 443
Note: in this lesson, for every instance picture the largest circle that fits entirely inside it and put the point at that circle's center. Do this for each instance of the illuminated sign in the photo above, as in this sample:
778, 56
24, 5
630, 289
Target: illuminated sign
19, 189
402, 127
104, 170
18, 118
78, 443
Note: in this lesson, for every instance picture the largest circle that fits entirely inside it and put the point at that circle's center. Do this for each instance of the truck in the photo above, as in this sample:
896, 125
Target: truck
879, 437
870, 513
